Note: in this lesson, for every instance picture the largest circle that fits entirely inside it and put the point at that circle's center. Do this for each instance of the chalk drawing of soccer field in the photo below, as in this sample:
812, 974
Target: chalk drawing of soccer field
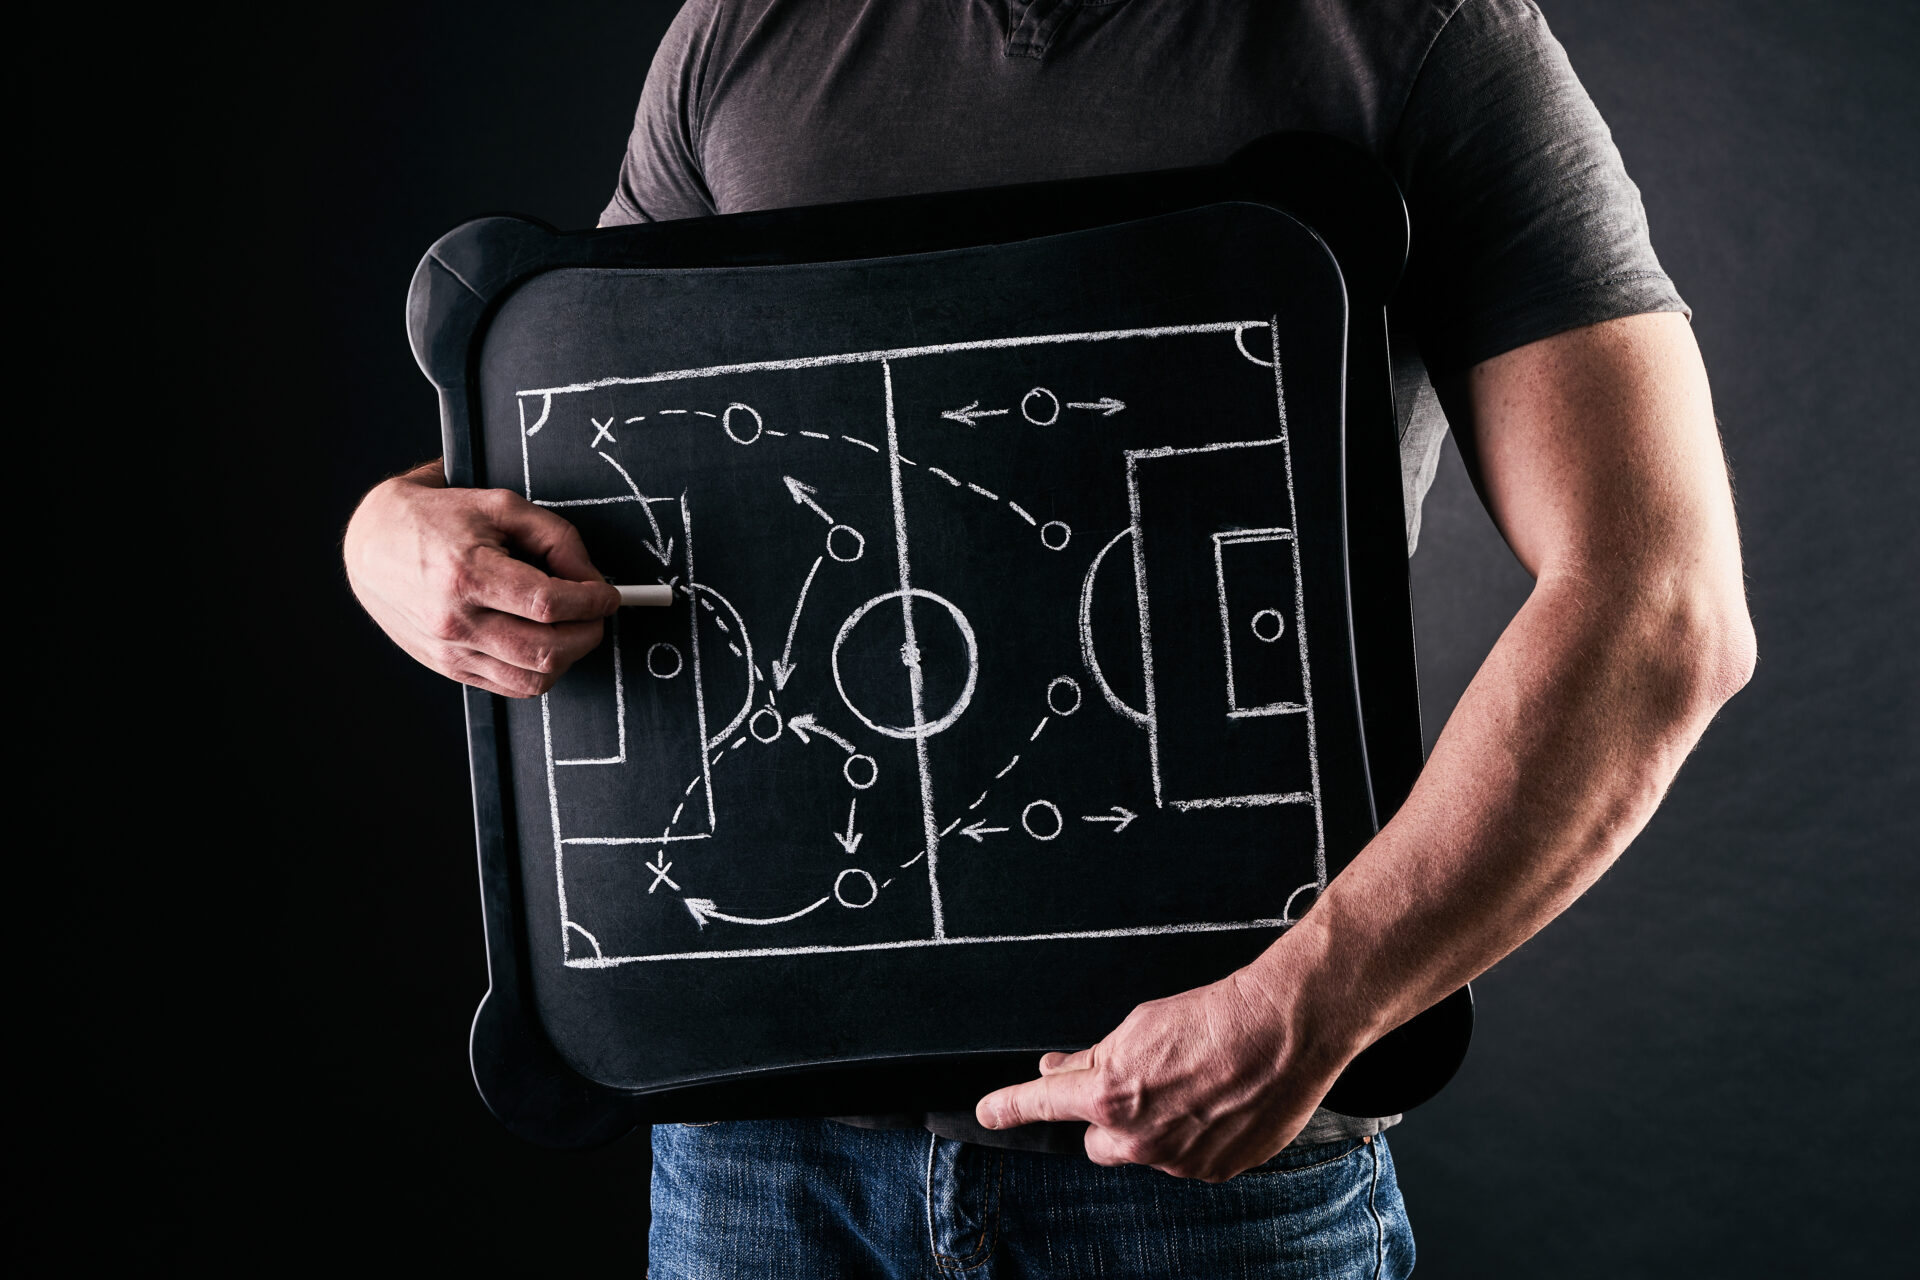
984, 641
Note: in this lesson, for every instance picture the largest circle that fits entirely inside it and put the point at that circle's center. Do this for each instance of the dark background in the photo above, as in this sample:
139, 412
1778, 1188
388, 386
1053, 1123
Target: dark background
266, 946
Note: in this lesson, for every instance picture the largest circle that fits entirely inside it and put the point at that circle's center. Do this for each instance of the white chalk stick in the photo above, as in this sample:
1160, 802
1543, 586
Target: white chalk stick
654, 596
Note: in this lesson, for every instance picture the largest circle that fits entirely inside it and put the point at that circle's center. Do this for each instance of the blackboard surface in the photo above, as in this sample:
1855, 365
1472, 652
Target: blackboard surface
1010, 675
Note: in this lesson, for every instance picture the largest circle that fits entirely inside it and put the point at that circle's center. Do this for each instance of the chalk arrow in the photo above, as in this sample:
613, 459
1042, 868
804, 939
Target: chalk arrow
783, 666
1106, 405
803, 495
1119, 817
802, 725
703, 910
979, 832
971, 413
850, 841
663, 556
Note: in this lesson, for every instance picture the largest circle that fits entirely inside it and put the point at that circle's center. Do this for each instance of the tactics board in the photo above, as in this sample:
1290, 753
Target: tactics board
1009, 677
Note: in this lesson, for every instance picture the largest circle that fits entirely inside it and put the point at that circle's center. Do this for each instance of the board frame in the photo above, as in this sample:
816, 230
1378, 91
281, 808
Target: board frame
1332, 188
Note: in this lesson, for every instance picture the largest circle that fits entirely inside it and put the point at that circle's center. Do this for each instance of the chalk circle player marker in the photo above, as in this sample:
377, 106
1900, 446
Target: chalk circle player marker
1267, 625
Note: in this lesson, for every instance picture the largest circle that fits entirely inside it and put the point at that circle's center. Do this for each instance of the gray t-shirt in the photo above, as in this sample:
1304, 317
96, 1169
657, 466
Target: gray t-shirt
1524, 221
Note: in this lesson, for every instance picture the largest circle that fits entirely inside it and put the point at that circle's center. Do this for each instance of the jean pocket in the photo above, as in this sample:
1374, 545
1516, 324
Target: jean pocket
1303, 1159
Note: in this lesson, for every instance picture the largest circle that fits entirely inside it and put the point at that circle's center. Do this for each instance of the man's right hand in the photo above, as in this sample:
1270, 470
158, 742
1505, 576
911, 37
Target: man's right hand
431, 565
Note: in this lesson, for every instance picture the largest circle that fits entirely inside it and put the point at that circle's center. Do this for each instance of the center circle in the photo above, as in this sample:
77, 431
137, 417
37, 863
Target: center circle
1267, 625
910, 660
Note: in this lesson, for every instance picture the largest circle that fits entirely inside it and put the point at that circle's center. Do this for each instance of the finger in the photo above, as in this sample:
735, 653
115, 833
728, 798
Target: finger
533, 646
495, 676
482, 683
551, 537
498, 581
1055, 1097
1106, 1148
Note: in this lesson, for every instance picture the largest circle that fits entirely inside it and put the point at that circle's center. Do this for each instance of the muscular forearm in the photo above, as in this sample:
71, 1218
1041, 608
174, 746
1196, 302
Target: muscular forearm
1597, 455
1598, 458
1553, 761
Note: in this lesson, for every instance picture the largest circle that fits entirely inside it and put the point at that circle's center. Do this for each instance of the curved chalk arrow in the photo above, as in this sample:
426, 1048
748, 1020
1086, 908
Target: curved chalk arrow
662, 548
783, 665
802, 725
703, 910
1119, 817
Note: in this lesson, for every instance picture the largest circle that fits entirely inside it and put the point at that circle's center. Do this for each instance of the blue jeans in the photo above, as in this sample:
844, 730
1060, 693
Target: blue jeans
816, 1200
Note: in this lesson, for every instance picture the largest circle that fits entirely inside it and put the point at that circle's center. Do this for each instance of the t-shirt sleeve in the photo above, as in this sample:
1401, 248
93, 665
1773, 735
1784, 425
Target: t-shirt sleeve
660, 174
1525, 223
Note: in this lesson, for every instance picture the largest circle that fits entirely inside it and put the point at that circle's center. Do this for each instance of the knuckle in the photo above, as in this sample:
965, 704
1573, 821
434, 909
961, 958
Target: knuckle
495, 502
540, 604
1123, 1100
449, 625
463, 577
528, 684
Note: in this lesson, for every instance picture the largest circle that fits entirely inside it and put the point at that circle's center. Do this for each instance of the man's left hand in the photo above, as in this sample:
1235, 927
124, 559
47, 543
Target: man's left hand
1204, 1084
